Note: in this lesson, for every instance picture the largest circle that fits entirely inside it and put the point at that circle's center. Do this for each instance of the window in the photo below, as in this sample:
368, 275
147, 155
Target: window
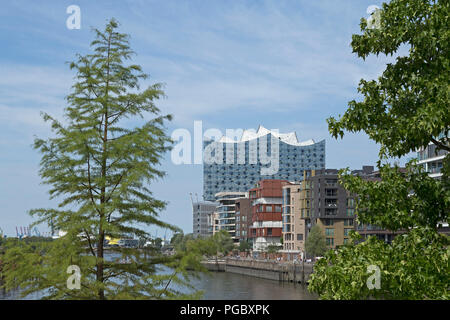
328, 222
330, 242
299, 237
350, 202
287, 196
329, 232
268, 208
348, 222
346, 231
350, 212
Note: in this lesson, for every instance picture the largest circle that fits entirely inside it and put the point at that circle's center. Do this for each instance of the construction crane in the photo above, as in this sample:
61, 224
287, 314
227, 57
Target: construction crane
165, 234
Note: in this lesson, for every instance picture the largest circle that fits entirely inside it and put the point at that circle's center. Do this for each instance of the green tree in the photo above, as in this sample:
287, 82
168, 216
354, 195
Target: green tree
158, 243
244, 246
220, 243
223, 242
406, 108
99, 169
176, 238
179, 241
315, 245
273, 248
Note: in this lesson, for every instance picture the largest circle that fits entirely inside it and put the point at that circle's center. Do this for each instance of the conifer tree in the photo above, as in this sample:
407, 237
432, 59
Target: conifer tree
99, 168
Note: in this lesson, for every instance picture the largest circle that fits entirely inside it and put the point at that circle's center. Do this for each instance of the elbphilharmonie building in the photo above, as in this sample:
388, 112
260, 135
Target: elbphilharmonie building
236, 165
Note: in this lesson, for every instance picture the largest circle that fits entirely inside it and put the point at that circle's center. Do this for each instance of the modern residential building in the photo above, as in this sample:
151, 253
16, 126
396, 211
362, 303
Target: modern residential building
227, 211
329, 205
293, 232
213, 221
243, 219
266, 202
201, 218
236, 165
432, 159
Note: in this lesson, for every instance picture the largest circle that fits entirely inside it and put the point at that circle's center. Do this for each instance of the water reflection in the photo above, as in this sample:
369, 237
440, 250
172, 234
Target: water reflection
221, 286
226, 286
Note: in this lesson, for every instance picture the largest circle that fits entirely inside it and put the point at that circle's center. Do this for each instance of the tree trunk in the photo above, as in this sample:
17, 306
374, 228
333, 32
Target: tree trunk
100, 256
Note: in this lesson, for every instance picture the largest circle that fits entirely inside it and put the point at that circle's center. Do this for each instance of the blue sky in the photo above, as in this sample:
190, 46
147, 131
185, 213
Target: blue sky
231, 64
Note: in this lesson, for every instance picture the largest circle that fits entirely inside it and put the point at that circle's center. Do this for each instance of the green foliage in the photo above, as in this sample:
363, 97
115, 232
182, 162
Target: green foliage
273, 248
315, 242
406, 108
409, 103
244, 246
222, 242
99, 169
414, 266
179, 241
401, 200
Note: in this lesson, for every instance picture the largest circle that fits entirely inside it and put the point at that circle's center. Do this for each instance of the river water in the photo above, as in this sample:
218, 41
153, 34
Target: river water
227, 286
220, 286
230, 286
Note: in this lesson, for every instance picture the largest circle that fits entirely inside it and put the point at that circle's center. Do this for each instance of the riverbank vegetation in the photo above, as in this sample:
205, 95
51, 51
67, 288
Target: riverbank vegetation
406, 108
99, 169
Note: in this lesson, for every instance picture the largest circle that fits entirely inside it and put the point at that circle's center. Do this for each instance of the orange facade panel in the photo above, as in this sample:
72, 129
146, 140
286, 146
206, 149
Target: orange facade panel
265, 232
266, 216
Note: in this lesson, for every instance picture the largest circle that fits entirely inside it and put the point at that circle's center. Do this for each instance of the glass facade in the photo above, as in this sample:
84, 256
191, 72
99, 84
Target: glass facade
239, 173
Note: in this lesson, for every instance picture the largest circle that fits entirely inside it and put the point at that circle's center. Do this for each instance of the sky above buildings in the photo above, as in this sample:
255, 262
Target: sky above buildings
286, 65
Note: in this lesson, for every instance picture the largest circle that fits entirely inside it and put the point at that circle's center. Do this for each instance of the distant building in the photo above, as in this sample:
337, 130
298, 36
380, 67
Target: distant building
327, 204
296, 201
236, 166
266, 202
431, 159
201, 218
227, 211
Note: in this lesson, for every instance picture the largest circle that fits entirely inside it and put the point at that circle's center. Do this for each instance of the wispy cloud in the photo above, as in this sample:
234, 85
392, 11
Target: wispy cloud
232, 64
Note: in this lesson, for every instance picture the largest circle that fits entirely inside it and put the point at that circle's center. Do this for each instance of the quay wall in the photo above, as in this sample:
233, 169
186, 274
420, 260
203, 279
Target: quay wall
271, 270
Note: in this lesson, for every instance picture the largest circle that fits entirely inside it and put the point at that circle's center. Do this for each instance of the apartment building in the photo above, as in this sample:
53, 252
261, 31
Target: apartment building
226, 211
201, 218
327, 204
293, 232
243, 219
432, 159
266, 202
